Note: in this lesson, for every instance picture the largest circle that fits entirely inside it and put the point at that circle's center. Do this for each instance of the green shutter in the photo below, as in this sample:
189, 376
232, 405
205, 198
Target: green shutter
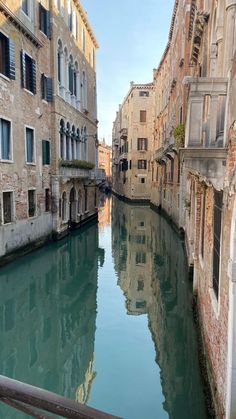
22, 62
45, 152
49, 89
48, 25
33, 75
12, 70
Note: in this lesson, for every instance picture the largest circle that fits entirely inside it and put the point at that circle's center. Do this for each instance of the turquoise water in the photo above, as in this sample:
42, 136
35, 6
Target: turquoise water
104, 317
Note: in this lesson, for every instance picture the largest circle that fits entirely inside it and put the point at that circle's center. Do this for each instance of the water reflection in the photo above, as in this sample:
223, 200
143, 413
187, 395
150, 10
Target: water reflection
151, 270
48, 315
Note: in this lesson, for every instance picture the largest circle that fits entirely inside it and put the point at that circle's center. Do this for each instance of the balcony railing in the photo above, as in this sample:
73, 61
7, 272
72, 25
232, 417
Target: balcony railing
74, 172
98, 174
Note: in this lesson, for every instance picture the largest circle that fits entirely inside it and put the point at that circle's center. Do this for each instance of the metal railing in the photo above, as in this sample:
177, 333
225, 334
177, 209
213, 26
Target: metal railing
33, 401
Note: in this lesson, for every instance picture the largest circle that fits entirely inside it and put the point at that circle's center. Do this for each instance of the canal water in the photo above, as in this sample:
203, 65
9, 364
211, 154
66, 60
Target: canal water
104, 317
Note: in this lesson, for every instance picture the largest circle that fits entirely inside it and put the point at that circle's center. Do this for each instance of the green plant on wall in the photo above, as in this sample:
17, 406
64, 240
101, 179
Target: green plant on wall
80, 164
179, 134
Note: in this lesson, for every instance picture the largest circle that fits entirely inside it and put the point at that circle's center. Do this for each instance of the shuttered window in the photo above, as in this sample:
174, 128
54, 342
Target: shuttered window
44, 20
142, 144
218, 204
46, 88
47, 200
28, 72
5, 138
142, 116
29, 145
142, 164
45, 152
7, 57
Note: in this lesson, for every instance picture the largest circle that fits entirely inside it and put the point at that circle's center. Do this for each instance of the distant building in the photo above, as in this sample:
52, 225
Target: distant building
132, 144
104, 158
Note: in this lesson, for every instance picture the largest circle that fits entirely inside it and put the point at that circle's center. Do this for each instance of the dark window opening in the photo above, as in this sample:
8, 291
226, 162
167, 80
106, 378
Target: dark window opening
5, 135
28, 72
47, 200
218, 203
142, 164
44, 20
29, 145
46, 88
31, 203
144, 93
7, 207
142, 144
143, 116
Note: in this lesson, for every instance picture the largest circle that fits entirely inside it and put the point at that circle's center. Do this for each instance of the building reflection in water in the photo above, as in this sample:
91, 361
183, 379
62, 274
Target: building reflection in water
150, 265
48, 315
104, 214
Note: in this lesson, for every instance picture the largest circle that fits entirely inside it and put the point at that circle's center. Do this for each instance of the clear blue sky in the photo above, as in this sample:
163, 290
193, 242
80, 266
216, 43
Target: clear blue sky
132, 35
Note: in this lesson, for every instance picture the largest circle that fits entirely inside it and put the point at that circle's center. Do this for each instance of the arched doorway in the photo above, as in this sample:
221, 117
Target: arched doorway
72, 206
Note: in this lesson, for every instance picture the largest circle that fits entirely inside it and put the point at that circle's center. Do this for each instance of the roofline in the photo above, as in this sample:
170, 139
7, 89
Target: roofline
86, 22
170, 35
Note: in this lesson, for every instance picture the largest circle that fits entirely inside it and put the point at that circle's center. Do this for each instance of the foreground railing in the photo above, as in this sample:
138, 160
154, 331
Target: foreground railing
25, 398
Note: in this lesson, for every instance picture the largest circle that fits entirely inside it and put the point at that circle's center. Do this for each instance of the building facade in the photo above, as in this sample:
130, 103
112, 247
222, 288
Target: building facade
133, 144
48, 120
104, 158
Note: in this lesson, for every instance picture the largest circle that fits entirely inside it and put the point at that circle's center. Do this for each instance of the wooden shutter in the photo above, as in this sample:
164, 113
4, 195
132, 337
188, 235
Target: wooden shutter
33, 75
48, 25
49, 89
12, 67
43, 93
22, 61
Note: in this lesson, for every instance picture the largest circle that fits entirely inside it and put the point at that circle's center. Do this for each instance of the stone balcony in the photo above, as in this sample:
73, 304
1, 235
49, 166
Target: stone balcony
205, 151
74, 172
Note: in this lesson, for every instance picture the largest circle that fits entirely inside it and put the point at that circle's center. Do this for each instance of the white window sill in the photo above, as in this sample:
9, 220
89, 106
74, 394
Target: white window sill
6, 161
4, 77
28, 91
33, 217
30, 163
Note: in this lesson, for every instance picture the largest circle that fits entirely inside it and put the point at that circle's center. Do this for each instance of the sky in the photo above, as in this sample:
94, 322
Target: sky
132, 36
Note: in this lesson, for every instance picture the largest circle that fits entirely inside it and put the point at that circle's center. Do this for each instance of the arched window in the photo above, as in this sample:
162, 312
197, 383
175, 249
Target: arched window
59, 62
73, 143
62, 134
71, 75
66, 62
78, 142
64, 204
85, 91
68, 142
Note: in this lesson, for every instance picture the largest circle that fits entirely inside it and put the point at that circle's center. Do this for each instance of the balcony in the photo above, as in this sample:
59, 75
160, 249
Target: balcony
205, 153
98, 174
76, 169
123, 133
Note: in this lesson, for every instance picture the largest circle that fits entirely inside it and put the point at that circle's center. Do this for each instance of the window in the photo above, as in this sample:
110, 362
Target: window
69, 16
71, 78
7, 207
140, 285
140, 304
7, 57
29, 139
143, 93
64, 206
5, 137
140, 258
142, 180
46, 88
142, 144
218, 203
44, 20
142, 164
143, 116
28, 72
130, 164
31, 203
47, 200
25, 7
45, 152
141, 239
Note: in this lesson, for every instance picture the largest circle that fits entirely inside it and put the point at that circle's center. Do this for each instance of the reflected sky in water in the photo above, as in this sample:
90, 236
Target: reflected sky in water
104, 317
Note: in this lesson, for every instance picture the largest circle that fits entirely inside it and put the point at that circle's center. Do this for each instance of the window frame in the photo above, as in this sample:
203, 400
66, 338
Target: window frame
35, 196
12, 207
33, 163
11, 141
140, 164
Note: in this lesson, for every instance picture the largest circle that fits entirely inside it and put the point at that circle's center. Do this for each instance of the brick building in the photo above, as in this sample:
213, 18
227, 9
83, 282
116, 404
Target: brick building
133, 144
48, 120
104, 158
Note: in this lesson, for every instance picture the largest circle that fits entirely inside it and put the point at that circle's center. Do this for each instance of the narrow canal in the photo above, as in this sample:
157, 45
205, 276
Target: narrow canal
104, 317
